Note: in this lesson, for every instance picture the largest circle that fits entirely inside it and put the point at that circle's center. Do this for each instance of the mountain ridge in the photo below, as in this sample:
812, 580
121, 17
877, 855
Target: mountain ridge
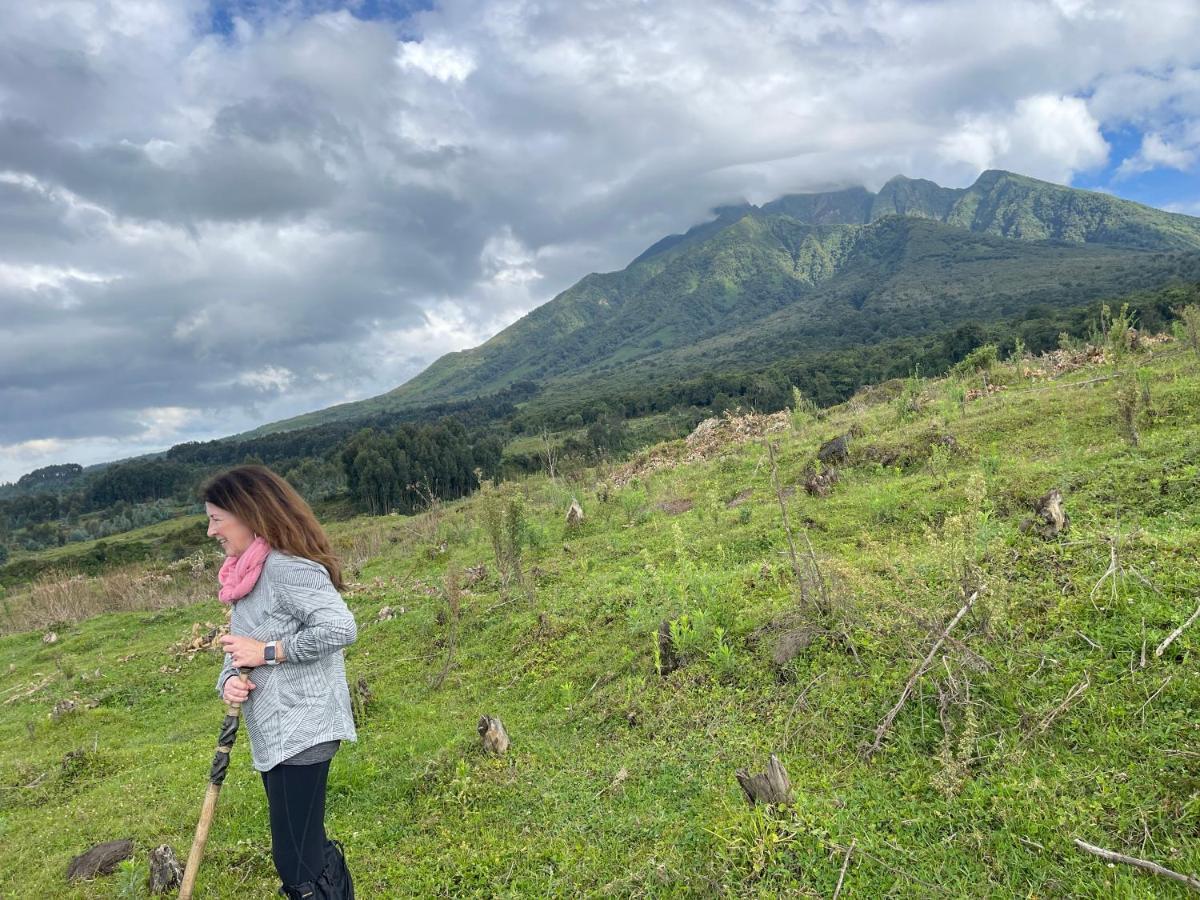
828, 256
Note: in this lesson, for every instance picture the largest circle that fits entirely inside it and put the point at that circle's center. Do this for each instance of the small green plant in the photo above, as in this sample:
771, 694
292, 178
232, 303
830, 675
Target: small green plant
804, 411
722, 658
1118, 331
691, 634
132, 880
1017, 356
1189, 321
939, 460
757, 839
504, 521
1128, 398
981, 359
633, 505
567, 694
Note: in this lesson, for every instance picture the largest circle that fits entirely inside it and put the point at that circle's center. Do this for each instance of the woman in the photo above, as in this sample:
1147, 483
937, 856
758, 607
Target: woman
289, 624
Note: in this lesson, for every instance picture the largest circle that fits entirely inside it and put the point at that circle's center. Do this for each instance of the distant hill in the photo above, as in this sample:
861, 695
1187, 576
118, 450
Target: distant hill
812, 271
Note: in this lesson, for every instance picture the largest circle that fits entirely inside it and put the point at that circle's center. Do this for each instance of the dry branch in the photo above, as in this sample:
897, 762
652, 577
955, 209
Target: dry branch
837, 891
1176, 633
886, 724
1154, 868
1072, 695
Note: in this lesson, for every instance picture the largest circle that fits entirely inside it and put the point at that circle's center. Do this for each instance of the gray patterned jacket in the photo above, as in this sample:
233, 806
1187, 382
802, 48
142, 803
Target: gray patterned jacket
304, 700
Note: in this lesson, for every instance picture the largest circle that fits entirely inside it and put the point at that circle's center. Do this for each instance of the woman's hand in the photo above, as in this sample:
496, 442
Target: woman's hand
236, 691
246, 651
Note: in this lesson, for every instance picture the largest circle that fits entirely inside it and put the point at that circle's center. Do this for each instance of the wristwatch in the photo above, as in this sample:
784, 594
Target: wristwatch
269, 654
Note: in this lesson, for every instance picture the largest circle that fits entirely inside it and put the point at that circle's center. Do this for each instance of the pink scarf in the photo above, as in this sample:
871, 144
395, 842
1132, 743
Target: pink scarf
239, 574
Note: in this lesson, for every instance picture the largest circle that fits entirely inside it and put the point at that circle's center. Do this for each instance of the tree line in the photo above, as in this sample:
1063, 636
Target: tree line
385, 463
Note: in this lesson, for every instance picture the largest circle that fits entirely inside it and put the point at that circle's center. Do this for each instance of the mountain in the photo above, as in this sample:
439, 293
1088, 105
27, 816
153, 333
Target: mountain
820, 270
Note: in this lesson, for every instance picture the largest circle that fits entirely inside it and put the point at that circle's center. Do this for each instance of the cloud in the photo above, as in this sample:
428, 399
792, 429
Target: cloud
309, 205
1044, 136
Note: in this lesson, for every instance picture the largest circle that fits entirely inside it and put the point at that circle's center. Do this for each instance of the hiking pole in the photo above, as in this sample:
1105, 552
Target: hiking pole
216, 777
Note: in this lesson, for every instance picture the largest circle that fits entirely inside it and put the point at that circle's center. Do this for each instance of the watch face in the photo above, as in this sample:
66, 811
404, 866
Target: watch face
269, 653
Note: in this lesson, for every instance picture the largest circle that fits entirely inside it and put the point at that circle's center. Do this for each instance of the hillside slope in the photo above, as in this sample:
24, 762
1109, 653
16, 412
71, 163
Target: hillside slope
817, 270
1035, 724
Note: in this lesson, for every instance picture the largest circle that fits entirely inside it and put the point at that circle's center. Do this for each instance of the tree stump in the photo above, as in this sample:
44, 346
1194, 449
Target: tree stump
836, 450
771, 788
1050, 517
100, 860
574, 514
359, 699
494, 737
668, 659
165, 871
820, 484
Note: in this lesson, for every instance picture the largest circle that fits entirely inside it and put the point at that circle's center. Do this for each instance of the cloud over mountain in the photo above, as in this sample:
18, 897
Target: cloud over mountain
205, 227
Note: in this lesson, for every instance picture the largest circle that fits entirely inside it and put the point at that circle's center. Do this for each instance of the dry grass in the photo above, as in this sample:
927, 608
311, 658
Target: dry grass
57, 600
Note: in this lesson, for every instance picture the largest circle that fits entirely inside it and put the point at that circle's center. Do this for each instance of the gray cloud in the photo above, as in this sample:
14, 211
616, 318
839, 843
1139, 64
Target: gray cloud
202, 231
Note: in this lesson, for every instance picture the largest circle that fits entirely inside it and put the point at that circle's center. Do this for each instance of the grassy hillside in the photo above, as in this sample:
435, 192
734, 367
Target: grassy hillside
1034, 725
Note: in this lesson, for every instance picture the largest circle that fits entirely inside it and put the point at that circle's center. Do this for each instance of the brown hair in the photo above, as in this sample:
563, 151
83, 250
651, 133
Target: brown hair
273, 510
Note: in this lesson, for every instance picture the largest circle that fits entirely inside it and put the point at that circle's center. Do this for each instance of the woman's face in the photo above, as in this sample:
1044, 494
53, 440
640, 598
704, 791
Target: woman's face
231, 534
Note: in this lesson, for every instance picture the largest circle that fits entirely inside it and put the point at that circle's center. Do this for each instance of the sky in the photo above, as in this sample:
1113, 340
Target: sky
216, 214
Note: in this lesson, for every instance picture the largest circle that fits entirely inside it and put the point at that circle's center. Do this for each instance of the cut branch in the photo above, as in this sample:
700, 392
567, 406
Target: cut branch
1176, 633
1154, 868
886, 724
837, 891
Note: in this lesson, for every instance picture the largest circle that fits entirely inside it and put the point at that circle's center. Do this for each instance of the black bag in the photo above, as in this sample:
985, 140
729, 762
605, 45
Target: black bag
336, 880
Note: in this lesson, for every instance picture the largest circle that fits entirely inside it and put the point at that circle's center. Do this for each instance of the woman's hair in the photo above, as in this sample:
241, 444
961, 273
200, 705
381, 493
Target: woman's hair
271, 508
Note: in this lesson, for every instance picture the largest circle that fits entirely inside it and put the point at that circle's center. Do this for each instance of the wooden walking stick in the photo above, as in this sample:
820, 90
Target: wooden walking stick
216, 777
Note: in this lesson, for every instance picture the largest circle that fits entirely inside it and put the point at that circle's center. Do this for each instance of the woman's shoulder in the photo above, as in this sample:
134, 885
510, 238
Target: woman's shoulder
295, 569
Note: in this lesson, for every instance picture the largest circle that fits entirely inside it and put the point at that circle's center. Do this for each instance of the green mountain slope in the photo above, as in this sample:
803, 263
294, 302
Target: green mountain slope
1035, 723
831, 269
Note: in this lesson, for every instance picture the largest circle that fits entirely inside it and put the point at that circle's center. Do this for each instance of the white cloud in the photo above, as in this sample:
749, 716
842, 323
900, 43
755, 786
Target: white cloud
1044, 136
267, 379
162, 423
343, 200
441, 62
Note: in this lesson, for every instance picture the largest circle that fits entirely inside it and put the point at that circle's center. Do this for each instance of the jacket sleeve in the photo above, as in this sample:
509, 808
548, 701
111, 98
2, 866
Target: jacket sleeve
327, 625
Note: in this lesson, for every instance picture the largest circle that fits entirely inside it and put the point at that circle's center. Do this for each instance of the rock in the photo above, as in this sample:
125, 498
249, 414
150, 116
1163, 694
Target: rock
50, 637
495, 738
836, 450
574, 514
165, 870
386, 614
100, 860
771, 788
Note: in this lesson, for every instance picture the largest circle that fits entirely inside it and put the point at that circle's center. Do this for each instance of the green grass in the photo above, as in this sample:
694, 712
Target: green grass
570, 670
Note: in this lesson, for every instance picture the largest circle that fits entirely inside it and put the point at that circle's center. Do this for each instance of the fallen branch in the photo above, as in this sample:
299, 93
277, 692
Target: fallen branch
886, 724
1142, 709
1154, 868
33, 690
837, 891
1072, 695
1176, 633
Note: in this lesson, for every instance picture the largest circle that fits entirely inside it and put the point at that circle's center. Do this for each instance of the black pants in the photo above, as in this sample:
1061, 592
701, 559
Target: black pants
296, 797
